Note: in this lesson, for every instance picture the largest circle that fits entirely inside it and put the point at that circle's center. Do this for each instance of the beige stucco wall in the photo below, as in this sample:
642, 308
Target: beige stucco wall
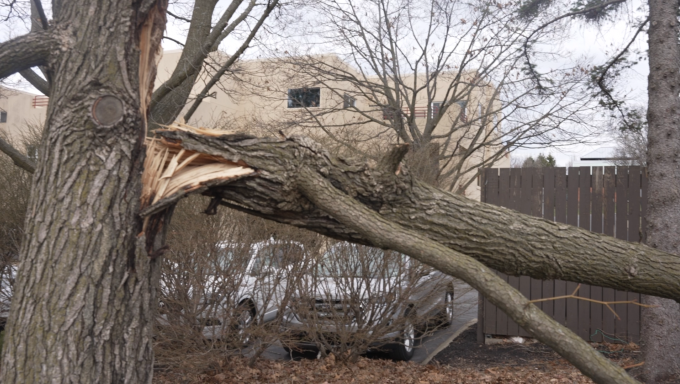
258, 103
20, 113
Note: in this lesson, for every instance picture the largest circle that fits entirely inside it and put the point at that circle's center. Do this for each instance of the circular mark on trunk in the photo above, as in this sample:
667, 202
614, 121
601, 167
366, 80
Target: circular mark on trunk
107, 110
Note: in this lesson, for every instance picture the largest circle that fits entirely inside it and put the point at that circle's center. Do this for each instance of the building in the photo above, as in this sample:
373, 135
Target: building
266, 97
18, 109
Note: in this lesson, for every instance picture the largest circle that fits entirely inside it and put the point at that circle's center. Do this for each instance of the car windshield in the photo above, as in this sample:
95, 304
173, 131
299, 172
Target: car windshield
275, 256
230, 259
350, 260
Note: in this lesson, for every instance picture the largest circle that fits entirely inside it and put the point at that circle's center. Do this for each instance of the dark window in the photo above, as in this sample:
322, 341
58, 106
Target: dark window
435, 108
463, 111
349, 102
304, 97
3, 117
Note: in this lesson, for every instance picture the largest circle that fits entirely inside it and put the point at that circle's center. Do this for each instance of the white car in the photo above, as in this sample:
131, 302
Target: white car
7, 275
380, 296
244, 285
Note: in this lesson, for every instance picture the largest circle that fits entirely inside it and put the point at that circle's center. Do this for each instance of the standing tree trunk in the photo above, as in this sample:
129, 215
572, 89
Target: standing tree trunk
84, 297
661, 325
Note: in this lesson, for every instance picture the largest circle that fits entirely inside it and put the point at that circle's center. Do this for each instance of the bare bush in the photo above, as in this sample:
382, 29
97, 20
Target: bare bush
15, 187
357, 298
223, 283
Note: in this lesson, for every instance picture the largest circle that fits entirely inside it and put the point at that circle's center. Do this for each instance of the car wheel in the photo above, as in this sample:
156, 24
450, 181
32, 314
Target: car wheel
245, 315
297, 352
447, 312
404, 348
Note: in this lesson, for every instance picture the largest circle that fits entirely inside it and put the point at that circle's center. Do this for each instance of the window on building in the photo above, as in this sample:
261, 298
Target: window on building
304, 97
463, 110
3, 117
349, 101
436, 106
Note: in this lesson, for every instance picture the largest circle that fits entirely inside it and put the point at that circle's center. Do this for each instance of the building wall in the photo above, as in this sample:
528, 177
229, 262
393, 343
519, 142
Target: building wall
21, 112
255, 99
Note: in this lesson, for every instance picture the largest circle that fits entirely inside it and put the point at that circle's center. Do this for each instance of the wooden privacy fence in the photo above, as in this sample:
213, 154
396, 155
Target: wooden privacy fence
610, 200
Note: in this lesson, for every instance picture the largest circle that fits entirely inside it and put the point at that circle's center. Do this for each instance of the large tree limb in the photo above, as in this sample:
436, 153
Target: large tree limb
38, 82
25, 51
500, 238
20, 160
386, 234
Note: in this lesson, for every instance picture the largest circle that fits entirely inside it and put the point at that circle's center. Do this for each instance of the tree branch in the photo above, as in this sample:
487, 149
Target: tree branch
41, 14
217, 76
500, 238
22, 161
38, 82
386, 234
25, 51
532, 72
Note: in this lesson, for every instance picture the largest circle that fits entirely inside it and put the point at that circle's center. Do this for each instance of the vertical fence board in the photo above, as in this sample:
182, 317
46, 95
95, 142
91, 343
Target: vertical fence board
504, 201
572, 219
621, 233
560, 306
514, 203
548, 286
596, 226
634, 235
608, 294
607, 200
584, 214
490, 195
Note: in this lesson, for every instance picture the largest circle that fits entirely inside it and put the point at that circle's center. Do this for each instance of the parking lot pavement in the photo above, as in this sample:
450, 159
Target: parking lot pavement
466, 311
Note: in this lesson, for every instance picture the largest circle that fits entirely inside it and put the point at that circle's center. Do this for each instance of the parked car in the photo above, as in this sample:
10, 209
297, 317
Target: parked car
374, 294
8, 274
241, 286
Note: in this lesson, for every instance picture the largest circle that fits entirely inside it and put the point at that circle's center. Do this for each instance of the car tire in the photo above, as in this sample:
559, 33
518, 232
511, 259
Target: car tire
296, 352
245, 315
447, 313
404, 348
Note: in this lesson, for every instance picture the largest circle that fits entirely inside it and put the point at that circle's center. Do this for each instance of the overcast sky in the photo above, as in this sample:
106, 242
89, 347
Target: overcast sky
587, 42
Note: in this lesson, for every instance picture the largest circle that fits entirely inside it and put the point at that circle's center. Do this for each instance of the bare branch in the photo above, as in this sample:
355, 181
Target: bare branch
217, 76
22, 161
38, 82
25, 51
545, 25
41, 14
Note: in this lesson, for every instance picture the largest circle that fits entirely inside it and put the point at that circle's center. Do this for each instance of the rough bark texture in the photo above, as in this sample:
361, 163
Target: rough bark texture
502, 239
83, 304
661, 325
28, 51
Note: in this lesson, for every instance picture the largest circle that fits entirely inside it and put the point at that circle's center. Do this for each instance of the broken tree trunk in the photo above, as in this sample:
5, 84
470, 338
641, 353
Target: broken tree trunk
310, 184
500, 238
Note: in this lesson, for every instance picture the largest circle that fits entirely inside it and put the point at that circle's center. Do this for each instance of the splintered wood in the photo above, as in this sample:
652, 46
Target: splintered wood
169, 169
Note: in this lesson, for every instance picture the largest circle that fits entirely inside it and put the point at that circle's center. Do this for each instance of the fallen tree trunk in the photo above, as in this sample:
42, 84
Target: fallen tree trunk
500, 238
304, 186
385, 233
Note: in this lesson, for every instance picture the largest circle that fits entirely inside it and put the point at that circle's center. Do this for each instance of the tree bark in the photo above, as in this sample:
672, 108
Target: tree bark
500, 238
85, 292
386, 234
661, 324
28, 51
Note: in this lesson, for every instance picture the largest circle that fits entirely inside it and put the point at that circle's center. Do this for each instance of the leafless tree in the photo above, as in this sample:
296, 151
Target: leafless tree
631, 147
445, 77
84, 303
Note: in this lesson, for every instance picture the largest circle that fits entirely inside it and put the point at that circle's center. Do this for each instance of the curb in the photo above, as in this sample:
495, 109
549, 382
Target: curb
448, 341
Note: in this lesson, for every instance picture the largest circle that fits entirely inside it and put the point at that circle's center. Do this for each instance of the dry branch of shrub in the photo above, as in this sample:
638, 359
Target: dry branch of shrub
605, 303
